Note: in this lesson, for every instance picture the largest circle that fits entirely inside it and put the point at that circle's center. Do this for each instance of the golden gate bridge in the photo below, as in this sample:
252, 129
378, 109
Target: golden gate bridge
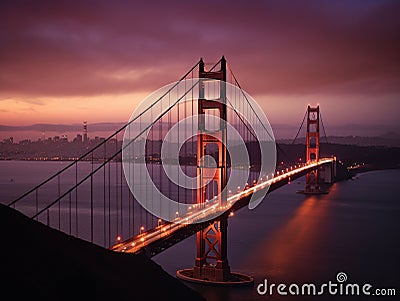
114, 195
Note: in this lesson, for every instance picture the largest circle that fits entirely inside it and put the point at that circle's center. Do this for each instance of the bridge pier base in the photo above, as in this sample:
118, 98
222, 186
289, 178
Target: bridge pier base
211, 264
235, 279
212, 260
211, 273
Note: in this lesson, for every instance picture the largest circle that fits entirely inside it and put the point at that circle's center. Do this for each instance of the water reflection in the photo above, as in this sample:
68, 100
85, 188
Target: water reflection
291, 249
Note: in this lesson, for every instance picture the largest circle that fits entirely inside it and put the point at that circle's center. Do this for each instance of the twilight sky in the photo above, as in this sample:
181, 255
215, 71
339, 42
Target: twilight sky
69, 61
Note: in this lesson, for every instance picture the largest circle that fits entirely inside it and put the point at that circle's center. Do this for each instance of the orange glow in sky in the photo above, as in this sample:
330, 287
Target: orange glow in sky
64, 62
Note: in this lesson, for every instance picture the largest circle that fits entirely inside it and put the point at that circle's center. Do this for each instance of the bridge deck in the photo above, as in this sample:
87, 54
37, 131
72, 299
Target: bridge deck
165, 235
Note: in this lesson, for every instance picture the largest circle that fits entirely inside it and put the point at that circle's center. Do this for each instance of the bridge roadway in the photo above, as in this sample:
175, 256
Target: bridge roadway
165, 235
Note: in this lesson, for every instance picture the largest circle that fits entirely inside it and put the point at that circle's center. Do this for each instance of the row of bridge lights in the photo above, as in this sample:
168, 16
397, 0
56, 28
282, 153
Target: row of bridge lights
142, 228
277, 173
159, 224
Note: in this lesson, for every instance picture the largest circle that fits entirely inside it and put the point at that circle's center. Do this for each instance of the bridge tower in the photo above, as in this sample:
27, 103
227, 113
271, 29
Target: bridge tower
312, 148
211, 260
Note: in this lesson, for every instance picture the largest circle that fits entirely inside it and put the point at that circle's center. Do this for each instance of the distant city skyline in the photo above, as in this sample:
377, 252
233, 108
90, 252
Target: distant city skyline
281, 131
64, 62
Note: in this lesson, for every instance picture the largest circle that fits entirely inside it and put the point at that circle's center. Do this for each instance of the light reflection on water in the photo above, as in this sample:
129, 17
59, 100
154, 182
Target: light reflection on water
292, 238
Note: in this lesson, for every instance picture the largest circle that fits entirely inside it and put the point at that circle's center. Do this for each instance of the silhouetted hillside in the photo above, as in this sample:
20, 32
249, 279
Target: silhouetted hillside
374, 157
390, 139
41, 263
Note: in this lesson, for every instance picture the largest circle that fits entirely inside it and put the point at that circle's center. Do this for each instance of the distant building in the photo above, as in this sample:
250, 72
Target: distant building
85, 135
8, 140
78, 138
25, 141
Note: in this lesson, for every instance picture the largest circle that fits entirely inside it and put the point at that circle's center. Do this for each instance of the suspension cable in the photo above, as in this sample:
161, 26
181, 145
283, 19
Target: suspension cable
103, 142
323, 127
245, 96
115, 155
301, 125
255, 113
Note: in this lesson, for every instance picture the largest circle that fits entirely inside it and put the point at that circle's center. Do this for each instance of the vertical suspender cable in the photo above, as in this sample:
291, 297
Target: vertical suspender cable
70, 213
59, 203
109, 203
116, 188
76, 199
104, 198
91, 200
121, 196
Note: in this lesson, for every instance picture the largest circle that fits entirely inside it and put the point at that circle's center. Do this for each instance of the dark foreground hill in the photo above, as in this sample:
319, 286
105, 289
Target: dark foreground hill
41, 263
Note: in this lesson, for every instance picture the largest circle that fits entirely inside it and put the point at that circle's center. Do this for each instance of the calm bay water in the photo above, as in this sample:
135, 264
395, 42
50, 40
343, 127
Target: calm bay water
289, 237
292, 238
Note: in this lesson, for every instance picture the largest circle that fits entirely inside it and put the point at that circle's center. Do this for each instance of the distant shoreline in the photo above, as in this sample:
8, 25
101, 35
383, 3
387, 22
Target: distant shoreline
353, 171
363, 170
